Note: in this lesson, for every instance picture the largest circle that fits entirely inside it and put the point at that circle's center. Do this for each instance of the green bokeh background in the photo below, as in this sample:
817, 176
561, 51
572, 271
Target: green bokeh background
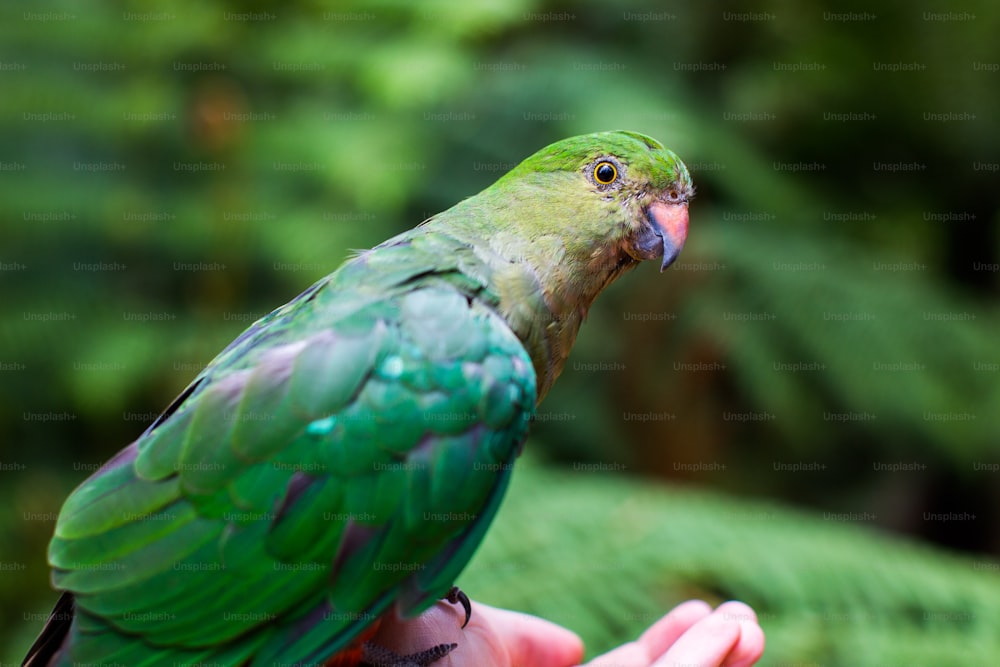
170, 174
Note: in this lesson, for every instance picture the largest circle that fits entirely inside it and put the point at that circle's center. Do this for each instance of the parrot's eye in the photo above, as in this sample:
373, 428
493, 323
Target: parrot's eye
674, 196
605, 173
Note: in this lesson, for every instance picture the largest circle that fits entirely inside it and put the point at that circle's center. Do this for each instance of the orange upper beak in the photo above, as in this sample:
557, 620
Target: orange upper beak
670, 223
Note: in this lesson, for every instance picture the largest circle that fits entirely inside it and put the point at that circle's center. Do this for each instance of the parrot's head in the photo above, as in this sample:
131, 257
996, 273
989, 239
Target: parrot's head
564, 224
612, 197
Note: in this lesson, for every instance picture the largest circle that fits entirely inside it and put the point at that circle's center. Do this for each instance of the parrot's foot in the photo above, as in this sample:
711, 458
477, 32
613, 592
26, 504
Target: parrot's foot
374, 655
456, 596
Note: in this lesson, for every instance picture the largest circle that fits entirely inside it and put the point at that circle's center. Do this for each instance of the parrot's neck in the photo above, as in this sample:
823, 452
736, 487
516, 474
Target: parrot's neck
545, 303
544, 289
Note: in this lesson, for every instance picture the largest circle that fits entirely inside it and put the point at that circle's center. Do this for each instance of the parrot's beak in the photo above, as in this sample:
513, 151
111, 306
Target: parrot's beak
670, 223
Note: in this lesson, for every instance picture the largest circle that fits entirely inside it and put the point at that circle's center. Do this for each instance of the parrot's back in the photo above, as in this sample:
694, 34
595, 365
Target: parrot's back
344, 455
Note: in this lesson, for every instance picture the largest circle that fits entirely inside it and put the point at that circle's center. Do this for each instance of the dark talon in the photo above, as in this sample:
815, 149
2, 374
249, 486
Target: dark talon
454, 596
374, 655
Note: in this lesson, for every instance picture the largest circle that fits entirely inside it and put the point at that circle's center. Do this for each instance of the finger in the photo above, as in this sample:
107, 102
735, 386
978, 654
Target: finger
750, 646
661, 635
632, 654
656, 639
708, 643
532, 641
749, 649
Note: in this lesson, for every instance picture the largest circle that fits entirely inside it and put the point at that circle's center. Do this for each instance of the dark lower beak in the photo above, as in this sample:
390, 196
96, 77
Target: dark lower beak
668, 226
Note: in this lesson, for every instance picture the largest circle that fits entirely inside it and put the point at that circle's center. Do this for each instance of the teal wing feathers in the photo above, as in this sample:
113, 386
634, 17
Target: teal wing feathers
344, 455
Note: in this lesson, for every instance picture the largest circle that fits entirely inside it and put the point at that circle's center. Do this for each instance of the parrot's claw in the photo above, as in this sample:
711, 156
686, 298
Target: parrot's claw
374, 655
455, 596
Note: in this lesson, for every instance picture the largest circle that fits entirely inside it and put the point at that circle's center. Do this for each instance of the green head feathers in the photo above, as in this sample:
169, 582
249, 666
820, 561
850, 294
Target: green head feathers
616, 196
642, 154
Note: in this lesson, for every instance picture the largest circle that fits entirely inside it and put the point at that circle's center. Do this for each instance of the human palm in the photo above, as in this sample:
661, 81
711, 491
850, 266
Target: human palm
691, 634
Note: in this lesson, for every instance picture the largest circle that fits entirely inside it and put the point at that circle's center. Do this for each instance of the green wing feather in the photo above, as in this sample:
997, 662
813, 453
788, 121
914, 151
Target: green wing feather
344, 454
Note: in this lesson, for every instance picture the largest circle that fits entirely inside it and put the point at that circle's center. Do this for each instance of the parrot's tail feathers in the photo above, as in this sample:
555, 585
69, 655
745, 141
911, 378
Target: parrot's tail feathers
50, 641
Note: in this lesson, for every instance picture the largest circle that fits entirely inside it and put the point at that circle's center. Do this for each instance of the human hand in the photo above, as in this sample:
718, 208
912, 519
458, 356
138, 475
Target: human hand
691, 634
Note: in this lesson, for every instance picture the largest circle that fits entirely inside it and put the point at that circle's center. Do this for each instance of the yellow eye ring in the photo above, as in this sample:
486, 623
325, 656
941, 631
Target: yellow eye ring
605, 173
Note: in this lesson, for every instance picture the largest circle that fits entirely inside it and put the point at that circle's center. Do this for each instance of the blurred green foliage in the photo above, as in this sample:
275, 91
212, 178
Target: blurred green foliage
169, 175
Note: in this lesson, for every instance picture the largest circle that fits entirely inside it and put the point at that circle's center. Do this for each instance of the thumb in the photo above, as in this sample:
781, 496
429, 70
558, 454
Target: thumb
532, 641
493, 638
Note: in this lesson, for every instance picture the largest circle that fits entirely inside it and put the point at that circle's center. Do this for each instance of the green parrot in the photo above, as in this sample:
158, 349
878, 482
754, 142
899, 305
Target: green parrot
344, 456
